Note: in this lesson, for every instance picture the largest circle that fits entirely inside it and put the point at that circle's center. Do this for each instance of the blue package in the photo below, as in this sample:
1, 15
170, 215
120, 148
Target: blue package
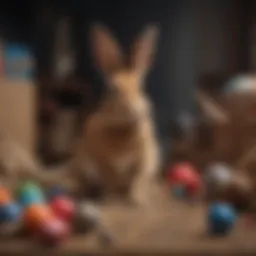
18, 61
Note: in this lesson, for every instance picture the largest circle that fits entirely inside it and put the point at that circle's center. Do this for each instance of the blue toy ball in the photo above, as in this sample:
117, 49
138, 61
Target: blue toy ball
221, 218
10, 212
178, 191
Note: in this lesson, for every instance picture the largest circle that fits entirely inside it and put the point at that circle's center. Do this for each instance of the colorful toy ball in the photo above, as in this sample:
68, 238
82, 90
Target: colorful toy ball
184, 175
35, 215
5, 196
86, 217
29, 186
53, 231
10, 212
180, 172
29, 193
30, 197
63, 207
221, 218
218, 176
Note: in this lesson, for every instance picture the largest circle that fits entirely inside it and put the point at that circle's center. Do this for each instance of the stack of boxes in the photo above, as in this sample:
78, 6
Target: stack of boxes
17, 93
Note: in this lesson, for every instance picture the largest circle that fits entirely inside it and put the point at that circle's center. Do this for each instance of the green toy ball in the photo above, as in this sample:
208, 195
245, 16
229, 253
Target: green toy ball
29, 186
30, 193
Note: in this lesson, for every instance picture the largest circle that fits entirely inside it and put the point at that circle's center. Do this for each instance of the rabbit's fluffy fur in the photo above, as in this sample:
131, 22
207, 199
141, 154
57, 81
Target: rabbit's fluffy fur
118, 148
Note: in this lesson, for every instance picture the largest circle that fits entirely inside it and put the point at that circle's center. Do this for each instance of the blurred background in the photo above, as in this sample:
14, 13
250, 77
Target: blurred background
49, 85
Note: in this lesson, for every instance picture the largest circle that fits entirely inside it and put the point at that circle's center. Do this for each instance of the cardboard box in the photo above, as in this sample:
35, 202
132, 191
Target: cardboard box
18, 111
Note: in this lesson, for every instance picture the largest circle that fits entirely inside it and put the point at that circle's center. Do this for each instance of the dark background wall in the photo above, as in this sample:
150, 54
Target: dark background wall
197, 38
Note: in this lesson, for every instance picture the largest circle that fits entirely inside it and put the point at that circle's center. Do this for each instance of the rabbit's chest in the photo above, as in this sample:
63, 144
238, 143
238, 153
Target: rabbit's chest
116, 146
117, 154
120, 141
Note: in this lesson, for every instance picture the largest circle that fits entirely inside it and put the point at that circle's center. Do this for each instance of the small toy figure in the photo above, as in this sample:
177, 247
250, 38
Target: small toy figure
221, 218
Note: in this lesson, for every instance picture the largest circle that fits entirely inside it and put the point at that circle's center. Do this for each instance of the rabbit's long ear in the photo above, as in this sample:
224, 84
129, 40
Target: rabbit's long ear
105, 50
143, 50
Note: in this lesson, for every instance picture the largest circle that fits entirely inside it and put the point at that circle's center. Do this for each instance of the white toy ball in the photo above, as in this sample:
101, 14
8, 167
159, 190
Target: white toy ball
218, 175
90, 211
86, 217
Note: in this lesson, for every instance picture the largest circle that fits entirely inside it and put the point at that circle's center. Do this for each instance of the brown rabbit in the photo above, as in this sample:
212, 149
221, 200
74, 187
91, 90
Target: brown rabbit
119, 142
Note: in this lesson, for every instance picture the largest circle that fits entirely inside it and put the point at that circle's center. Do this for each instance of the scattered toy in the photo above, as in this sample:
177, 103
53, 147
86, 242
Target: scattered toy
86, 217
184, 180
29, 193
53, 231
221, 218
217, 176
63, 207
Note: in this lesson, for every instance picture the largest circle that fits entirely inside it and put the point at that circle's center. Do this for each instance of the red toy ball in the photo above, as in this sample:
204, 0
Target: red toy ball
184, 174
63, 207
53, 231
181, 173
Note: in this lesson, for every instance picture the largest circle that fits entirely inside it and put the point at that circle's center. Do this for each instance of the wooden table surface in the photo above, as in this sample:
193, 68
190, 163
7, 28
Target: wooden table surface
170, 226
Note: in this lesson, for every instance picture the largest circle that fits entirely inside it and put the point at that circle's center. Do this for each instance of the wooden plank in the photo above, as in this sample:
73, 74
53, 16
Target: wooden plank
169, 227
